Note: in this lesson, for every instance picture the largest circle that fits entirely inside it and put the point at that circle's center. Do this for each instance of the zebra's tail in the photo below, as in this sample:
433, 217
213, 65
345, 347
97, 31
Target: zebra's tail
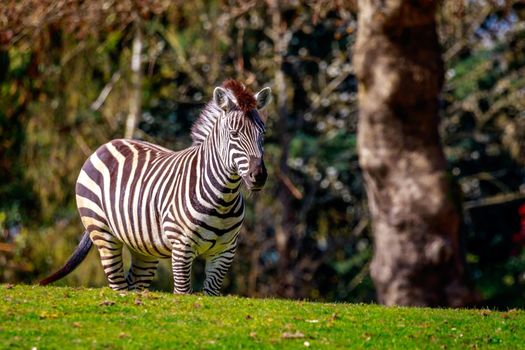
74, 260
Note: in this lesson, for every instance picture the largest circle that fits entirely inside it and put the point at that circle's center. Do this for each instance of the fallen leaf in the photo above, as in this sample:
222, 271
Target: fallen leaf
147, 294
138, 301
123, 335
332, 319
367, 336
107, 303
48, 315
253, 335
76, 324
295, 335
511, 312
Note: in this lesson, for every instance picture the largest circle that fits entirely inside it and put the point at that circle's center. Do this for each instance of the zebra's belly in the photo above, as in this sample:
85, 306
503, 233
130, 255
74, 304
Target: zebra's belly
146, 238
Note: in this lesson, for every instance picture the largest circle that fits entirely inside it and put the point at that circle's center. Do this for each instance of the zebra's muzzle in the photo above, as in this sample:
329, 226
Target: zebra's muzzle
257, 175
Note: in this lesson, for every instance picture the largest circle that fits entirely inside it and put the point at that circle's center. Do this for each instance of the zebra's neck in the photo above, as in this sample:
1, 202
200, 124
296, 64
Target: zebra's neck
218, 185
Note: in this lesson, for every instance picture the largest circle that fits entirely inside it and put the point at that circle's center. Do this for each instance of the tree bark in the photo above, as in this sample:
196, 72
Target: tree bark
416, 225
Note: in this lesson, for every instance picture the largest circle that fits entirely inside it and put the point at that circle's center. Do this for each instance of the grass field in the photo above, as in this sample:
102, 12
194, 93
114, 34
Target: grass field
69, 318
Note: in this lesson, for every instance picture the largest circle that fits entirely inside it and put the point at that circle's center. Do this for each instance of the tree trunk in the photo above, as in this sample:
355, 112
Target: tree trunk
417, 258
135, 102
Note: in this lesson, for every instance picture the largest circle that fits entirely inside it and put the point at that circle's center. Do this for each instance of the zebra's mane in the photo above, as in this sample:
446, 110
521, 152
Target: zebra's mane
204, 124
240, 95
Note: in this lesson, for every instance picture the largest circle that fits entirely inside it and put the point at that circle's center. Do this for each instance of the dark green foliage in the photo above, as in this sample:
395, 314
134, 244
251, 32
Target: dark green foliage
483, 133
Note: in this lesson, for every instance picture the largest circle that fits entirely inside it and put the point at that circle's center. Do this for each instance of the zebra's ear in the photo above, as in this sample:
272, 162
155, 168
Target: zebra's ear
263, 97
220, 96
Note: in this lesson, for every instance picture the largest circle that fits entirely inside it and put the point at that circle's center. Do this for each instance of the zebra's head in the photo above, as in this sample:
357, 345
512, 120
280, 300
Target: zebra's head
242, 131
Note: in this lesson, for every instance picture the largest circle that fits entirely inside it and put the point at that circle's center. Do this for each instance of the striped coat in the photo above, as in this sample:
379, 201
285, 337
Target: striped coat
177, 205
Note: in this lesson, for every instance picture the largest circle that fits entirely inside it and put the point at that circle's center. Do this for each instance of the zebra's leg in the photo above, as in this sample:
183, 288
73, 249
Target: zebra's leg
216, 267
141, 271
182, 257
110, 251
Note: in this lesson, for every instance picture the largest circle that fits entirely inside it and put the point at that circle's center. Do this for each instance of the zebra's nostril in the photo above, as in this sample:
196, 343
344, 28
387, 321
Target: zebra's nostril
258, 176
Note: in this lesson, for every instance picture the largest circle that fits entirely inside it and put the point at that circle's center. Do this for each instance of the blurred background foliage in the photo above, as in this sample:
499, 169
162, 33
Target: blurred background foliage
65, 88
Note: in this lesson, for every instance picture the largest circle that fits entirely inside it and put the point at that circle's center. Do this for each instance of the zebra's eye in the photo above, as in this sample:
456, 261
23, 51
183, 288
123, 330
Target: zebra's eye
235, 133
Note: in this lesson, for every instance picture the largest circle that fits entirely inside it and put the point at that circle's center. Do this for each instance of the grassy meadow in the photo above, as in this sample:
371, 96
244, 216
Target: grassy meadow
82, 318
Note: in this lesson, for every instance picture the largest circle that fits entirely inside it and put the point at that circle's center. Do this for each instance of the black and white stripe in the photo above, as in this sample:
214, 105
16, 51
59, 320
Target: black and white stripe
178, 205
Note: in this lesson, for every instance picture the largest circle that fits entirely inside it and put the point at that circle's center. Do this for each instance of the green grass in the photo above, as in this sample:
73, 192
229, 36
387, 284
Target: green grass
68, 318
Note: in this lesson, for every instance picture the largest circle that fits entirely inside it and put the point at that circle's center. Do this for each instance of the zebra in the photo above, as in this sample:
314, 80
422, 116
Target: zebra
179, 205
